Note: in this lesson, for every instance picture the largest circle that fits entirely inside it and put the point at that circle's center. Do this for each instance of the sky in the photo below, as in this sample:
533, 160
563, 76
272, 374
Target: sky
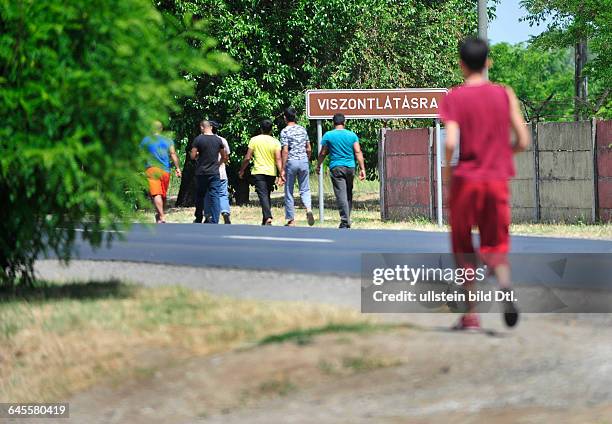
506, 27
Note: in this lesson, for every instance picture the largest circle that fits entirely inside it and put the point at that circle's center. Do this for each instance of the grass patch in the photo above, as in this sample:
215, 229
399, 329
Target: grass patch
327, 367
356, 364
366, 215
577, 230
58, 339
276, 387
366, 363
305, 336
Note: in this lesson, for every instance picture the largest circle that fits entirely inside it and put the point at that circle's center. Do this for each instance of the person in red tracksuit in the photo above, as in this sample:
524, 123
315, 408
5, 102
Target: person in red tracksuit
482, 114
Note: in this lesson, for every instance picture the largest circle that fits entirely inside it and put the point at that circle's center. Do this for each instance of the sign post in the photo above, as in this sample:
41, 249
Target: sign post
483, 23
403, 103
321, 193
439, 173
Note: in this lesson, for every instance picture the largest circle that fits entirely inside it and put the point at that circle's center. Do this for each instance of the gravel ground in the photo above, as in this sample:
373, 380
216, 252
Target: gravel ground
242, 284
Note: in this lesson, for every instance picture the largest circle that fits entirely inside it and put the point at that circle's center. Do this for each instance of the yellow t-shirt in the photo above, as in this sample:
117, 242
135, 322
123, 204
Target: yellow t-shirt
264, 159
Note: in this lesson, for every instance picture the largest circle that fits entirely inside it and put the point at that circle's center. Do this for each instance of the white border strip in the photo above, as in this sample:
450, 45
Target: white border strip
293, 239
392, 90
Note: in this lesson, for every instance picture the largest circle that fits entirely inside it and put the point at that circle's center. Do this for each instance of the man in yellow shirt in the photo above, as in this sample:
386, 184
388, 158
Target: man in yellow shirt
265, 151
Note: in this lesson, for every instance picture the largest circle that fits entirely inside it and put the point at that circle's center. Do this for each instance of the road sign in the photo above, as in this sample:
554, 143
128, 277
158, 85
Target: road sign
375, 104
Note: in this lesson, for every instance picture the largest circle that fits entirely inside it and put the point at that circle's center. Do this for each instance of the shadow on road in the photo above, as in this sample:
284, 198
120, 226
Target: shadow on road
482, 331
43, 291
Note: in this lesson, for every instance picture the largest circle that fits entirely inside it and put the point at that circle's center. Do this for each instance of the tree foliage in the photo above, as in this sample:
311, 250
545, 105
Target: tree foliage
285, 48
80, 84
542, 78
570, 22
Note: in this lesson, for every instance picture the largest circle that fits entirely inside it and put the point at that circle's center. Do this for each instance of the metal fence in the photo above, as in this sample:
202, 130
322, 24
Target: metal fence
565, 176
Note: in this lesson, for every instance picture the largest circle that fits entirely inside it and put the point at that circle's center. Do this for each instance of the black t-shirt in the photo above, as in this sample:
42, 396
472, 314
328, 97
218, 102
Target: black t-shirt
208, 159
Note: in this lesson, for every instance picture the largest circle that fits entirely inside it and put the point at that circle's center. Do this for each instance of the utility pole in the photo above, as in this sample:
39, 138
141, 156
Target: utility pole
581, 92
483, 21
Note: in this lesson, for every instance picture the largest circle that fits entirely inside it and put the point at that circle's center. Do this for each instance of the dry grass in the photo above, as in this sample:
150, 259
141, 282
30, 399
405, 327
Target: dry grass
366, 215
588, 231
58, 340
354, 364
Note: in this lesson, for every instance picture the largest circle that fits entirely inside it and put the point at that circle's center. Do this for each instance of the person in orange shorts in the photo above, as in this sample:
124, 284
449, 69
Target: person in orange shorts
159, 150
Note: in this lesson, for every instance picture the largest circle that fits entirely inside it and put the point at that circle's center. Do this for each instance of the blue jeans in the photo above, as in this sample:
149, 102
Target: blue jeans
299, 169
208, 185
224, 203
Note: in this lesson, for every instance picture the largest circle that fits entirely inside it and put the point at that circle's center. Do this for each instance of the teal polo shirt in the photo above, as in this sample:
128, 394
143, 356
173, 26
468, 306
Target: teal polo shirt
340, 145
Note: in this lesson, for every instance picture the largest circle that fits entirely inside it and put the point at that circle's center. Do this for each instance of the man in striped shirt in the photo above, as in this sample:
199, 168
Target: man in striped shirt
296, 151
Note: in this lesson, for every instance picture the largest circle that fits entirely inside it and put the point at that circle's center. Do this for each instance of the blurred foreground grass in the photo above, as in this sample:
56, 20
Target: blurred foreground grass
58, 339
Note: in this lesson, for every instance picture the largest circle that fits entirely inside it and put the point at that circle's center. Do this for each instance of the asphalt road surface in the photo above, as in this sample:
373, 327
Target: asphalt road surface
296, 249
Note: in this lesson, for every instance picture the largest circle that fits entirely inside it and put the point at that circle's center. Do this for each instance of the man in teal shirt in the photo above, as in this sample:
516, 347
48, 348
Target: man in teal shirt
343, 148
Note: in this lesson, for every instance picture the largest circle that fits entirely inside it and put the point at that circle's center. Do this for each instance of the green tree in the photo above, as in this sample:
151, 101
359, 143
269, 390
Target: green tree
541, 78
573, 22
286, 48
80, 84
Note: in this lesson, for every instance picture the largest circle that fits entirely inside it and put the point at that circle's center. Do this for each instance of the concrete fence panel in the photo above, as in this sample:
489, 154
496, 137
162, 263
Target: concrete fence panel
522, 188
564, 136
566, 185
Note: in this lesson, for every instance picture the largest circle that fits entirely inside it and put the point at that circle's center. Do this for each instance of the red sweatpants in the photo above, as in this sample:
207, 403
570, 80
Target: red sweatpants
485, 204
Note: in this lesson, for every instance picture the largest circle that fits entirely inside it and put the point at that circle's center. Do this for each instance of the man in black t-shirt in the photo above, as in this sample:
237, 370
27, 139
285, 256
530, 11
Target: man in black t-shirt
206, 149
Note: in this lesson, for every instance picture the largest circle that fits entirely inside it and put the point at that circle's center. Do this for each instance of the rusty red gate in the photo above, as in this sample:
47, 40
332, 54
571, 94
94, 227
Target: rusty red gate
406, 173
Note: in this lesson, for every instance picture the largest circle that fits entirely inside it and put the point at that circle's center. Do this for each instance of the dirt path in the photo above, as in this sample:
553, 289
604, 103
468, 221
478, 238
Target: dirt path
550, 370
540, 375
553, 368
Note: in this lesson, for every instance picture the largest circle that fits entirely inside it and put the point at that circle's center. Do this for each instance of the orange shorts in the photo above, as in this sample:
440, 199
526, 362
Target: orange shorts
158, 181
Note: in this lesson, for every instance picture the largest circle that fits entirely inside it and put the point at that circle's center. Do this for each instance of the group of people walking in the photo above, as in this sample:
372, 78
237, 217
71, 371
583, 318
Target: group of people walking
275, 163
481, 113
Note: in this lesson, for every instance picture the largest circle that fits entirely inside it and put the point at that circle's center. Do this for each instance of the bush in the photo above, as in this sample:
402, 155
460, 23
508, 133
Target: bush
80, 84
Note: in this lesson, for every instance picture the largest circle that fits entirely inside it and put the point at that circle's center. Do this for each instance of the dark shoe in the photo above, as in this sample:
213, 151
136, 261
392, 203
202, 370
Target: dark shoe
197, 221
511, 312
207, 220
344, 225
226, 218
310, 218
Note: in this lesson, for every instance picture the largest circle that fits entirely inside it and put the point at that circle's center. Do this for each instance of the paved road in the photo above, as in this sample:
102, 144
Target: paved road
298, 249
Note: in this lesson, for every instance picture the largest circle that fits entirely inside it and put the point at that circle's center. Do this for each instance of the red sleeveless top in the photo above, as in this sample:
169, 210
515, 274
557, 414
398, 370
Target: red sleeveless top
483, 114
